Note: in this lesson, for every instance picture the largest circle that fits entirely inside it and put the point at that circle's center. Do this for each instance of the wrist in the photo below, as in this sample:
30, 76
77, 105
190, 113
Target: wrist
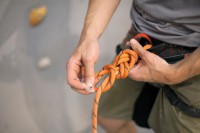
90, 32
88, 35
177, 73
166, 75
171, 75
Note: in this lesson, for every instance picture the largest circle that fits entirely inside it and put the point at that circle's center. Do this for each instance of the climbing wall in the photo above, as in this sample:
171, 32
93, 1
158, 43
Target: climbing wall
34, 96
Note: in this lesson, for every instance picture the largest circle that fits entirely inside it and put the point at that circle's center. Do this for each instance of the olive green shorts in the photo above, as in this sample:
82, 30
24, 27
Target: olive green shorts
118, 103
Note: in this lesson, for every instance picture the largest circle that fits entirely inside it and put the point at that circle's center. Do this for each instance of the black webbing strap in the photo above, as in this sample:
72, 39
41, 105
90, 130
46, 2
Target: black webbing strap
180, 104
170, 52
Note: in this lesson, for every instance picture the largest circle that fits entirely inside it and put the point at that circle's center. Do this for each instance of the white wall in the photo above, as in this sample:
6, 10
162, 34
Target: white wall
40, 101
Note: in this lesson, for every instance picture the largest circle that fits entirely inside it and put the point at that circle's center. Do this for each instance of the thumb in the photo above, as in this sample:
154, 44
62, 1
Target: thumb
89, 76
136, 46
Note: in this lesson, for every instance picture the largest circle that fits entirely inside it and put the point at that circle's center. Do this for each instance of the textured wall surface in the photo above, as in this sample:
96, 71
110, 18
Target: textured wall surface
34, 100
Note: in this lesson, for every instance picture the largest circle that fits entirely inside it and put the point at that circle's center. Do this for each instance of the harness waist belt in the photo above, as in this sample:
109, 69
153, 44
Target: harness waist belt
170, 52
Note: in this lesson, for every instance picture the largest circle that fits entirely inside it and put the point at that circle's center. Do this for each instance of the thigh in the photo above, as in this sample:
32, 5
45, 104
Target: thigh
118, 102
166, 118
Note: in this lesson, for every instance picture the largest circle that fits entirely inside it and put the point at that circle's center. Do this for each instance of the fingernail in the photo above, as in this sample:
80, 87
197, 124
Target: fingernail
82, 80
133, 41
128, 44
89, 87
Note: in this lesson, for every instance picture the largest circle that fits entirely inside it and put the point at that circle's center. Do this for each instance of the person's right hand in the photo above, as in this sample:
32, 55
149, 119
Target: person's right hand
80, 66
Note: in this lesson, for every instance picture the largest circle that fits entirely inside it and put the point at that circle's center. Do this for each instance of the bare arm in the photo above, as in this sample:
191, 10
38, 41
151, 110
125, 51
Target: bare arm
98, 15
80, 66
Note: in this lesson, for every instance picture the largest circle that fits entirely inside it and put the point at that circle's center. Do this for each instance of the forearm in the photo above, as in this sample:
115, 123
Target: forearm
98, 15
187, 68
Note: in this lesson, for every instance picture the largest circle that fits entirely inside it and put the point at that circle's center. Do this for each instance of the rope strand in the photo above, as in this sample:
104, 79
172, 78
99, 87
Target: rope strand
120, 68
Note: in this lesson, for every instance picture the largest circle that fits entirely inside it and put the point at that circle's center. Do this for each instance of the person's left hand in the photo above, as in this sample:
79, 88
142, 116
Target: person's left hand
151, 68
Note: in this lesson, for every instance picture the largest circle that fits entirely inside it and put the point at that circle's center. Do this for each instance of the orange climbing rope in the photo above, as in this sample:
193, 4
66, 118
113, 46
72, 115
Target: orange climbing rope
118, 69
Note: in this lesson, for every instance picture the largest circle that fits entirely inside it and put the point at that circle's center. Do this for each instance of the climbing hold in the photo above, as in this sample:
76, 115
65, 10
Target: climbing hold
37, 15
44, 63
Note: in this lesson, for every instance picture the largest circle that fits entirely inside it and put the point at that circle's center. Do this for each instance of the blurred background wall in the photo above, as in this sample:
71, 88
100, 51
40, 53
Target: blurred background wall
35, 100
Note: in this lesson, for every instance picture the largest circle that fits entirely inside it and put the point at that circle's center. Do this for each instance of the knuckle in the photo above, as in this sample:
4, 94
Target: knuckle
144, 54
89, 59
134, 76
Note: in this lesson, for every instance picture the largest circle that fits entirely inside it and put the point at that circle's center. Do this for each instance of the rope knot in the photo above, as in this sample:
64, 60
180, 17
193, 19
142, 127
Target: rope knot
118, 69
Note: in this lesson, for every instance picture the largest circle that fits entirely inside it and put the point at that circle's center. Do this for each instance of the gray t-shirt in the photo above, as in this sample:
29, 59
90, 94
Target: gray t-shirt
172, 21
